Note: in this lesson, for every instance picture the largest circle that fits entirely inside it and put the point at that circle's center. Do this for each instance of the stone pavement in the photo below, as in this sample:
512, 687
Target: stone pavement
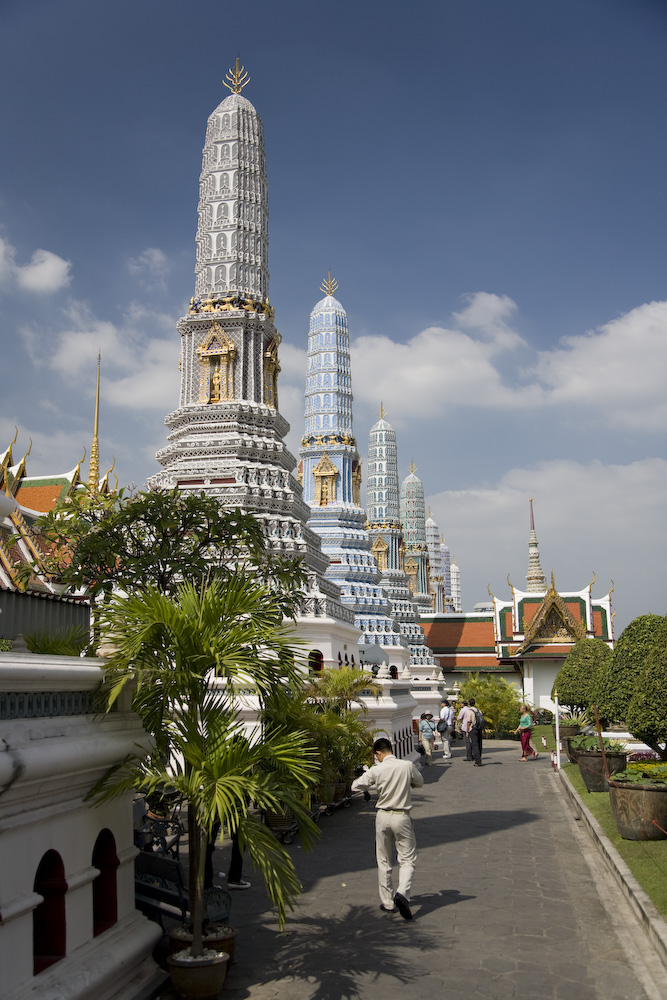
504, 902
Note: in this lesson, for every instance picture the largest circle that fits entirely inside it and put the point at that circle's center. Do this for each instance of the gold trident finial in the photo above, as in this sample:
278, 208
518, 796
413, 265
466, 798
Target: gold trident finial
329, 285
237, 77
383, 411
413, 468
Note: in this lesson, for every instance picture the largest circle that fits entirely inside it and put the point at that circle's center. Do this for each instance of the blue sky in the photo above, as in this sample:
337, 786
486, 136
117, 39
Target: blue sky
485, 180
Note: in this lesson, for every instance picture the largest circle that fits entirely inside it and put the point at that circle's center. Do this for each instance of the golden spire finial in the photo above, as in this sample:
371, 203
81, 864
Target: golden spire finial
413, 468
329, 285
94, 464
237, 77
383, 411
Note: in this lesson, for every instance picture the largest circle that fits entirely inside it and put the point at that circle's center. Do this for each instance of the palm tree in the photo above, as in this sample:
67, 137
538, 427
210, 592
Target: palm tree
193, 657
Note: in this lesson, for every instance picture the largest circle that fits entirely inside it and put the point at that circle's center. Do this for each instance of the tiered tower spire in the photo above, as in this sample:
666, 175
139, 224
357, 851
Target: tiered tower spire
226, 437
384, 528
537, 582
94, 463
413, 518
330, 472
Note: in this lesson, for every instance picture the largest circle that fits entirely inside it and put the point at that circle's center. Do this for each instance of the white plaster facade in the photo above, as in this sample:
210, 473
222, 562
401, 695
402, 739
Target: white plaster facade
52, 750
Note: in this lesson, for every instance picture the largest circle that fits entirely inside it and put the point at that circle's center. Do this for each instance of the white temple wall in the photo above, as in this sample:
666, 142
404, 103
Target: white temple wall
53, 749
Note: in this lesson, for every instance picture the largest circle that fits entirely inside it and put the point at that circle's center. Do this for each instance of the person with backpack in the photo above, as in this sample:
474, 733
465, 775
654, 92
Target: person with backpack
444, 727
476, 732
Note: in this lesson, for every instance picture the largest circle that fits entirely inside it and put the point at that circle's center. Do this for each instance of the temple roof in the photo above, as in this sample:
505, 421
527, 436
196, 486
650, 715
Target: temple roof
327, 304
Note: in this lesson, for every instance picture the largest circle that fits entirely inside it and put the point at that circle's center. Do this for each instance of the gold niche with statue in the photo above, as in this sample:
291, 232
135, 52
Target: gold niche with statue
217, 354
271, 372
326, 474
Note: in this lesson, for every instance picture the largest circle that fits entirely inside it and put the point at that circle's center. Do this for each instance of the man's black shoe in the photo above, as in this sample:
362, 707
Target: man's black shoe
402, 906
387, 909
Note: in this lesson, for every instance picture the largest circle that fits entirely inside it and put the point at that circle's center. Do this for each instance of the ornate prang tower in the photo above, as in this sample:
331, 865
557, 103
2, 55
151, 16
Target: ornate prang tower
226, 437
413, 518
440, 585
537, 581
384, 528
330, 473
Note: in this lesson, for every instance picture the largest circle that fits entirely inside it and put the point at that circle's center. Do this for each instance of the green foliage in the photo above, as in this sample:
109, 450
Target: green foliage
647, 712
591, 744
579, 719
497, 700
5, 645
577, 678
643, 774
323, 711
74, 641
193, 658
158, 539
617, 680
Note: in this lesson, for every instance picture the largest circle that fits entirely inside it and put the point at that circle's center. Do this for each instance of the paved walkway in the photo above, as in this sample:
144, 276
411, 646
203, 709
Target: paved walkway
504, 902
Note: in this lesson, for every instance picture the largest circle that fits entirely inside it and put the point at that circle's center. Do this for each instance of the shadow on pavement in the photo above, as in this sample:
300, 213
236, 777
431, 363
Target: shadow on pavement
333, 956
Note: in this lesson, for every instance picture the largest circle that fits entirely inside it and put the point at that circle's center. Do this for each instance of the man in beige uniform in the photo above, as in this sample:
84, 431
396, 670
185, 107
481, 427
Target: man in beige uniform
394, 780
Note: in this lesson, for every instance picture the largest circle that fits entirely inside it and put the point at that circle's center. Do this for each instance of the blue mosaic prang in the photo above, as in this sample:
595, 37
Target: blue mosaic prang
330, 472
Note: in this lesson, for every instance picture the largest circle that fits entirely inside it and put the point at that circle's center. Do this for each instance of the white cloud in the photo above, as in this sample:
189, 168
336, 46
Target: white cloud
46, 272
487, 314
139, 364
150, 267
590, 518
616, 371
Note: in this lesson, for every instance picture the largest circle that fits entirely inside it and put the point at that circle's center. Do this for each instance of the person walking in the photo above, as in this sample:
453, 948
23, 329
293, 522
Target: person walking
476, 732
394, 780
427, 735
467, 719
525, 728
445, 726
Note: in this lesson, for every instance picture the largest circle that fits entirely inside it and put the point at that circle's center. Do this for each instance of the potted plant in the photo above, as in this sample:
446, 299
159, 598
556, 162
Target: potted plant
638, 799
593, 764
187, 656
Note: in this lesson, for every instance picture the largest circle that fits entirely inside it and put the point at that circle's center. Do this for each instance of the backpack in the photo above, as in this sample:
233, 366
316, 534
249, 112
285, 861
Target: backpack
479, 719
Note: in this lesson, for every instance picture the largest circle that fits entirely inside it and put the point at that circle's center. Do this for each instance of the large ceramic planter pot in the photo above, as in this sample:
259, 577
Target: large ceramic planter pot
198, 978
572, 754
219, 937
635, 807
565, 731
591, 767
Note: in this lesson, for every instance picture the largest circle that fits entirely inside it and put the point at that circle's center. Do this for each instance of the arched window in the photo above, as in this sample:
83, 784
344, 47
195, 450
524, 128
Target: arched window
105, 897
315, 660
49, 929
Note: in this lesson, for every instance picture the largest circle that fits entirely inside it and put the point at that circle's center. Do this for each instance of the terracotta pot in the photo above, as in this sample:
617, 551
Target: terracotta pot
591, 768
634, 807
198, 978
220, 937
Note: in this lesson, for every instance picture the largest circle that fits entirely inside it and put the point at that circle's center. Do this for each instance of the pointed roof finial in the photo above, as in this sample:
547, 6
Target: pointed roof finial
383, 411
94, 464
237, 77
329, 285
413, 468
532, 519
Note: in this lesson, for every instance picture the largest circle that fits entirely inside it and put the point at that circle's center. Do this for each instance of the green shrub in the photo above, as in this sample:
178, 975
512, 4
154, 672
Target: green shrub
71, 642
577, 678
643, 774
5, 645
616, 681
497, 700
647, 712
